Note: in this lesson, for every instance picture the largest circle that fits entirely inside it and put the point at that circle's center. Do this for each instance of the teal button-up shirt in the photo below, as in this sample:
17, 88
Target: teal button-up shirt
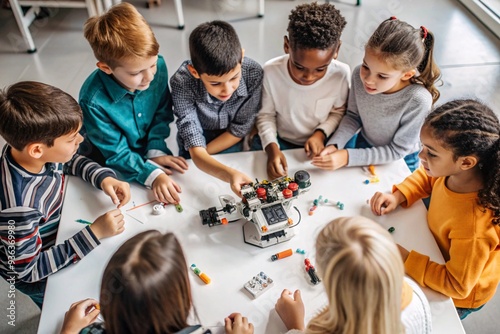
125, 126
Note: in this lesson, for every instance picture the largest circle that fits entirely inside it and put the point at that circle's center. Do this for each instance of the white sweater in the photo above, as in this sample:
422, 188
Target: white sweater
295, 111
416, 316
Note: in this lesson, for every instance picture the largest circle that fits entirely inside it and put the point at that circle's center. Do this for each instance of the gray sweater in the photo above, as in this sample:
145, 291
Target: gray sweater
389, 122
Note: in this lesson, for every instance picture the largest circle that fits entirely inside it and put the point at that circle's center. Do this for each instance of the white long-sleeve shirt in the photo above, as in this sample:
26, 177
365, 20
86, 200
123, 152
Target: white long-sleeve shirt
293, 111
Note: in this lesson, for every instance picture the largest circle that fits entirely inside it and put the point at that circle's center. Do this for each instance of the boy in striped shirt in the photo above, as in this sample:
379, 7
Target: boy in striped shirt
41, 124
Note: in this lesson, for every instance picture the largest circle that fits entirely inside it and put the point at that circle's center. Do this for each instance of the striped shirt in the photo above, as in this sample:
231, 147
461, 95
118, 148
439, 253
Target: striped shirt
30, 210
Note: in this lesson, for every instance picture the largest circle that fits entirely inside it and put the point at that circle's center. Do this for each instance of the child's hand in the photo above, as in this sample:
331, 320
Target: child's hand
331, 158
237, 324
291, 310
382, 204
119, 191
237, 180
315, 144
109, 224
176, 163
276, 162
166, 190
80, 315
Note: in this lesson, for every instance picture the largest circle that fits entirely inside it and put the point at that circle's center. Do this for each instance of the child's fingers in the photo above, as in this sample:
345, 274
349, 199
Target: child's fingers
297, 296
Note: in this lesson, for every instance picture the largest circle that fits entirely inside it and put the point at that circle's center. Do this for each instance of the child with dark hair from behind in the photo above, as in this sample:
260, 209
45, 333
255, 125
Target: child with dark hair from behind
40, 124
461, 170
154, 276
391, 93
216, 97
363, 276
305, 91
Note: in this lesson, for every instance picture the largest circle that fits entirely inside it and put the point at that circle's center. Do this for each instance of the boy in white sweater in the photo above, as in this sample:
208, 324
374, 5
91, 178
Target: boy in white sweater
304, 91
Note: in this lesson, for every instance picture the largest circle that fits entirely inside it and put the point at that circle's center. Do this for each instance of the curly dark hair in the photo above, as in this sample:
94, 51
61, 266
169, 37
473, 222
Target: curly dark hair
315, 26
469, 127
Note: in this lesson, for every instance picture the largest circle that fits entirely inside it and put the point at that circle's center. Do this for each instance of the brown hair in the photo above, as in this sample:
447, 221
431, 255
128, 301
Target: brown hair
120, 33
145, 286
34, 112
406, 48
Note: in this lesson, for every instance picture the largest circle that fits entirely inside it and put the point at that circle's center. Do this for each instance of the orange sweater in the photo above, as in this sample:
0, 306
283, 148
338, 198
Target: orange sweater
468, 240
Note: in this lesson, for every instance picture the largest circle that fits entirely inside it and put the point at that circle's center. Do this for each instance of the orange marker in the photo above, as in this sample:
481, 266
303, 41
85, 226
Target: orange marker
281, 255
201, 275
97, 306
371, 168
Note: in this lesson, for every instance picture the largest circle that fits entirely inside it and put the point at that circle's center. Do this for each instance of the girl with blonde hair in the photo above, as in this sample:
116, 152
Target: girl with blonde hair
363, 276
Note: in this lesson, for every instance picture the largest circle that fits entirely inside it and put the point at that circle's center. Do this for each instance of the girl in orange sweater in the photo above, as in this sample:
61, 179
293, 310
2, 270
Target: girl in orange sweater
461, 172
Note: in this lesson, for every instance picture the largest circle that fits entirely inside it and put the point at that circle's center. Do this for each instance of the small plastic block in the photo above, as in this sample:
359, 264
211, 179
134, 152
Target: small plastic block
259, 284
391, 229
300, 251
158, 209
178, 207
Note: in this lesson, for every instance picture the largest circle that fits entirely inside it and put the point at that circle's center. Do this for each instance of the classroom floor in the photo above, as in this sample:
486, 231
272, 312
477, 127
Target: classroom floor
467, 53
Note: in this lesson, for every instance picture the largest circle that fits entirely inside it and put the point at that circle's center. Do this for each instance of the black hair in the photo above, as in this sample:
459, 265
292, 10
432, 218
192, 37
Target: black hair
469, 127
33, 112
215, 48
315, 26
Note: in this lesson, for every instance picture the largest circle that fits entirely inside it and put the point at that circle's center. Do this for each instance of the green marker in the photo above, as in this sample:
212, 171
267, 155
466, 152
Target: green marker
81, 221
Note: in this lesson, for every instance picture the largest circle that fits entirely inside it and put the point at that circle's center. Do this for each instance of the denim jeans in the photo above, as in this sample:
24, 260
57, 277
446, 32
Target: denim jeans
256, 144
358, 141
209, 136
464, 312
35, 290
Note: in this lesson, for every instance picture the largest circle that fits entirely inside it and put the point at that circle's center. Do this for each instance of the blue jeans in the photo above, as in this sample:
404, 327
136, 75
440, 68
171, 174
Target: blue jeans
464, 312
358, 141
256, 144
35, 290
209, 136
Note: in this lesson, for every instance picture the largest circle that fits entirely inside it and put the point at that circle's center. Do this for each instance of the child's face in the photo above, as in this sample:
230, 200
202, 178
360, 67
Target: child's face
222, 87
64, 148
380, 77
134, 73
306, 66
435, 158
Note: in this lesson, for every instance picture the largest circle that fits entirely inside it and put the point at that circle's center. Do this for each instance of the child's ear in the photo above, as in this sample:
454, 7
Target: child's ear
242, 54
286, 44
408, 75
193, 71
104, 67
468, 162
336, 51
35, 150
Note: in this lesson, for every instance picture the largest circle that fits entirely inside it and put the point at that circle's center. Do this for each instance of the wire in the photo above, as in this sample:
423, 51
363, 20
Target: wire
300, 217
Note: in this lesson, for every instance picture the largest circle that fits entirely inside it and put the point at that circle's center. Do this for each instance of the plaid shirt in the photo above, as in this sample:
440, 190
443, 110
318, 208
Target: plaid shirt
196, 110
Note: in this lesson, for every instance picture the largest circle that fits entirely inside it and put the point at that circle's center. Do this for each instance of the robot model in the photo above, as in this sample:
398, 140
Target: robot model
265, 206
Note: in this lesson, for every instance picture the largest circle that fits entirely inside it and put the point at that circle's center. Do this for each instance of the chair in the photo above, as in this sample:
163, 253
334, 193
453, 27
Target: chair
94, 7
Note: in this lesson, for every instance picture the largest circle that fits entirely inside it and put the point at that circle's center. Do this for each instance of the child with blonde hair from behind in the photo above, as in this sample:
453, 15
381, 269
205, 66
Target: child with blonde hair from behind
391, 93
461, 172
363, 276
145, 289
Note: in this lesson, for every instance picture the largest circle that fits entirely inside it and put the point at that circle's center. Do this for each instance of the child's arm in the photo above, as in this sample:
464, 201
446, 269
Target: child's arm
209, 165
22, 241
100, 177
159, 130
222, 142
291, 310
